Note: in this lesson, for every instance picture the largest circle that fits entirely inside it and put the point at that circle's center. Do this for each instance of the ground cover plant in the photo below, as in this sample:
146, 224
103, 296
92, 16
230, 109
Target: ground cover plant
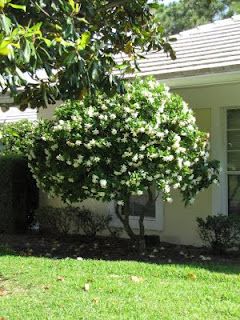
41, 288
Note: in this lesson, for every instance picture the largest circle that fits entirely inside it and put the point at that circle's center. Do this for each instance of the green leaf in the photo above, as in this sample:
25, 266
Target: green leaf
2, 4
83, 41
27, 52
6, 48
20, 74
17, 6
6, 23
47, 41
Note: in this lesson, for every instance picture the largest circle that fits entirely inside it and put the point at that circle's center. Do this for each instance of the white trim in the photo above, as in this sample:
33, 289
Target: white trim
202, 80
154, 224
227, 173
218, 151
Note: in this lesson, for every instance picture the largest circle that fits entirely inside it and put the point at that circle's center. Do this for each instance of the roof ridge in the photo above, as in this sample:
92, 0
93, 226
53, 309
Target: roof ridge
210, 25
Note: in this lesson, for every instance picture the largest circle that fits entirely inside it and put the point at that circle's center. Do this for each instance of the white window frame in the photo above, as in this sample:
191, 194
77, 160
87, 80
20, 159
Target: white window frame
227, 173
219, 152
150, 223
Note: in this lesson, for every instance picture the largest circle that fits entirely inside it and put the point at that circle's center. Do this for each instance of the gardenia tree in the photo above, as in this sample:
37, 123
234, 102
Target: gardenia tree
112, 148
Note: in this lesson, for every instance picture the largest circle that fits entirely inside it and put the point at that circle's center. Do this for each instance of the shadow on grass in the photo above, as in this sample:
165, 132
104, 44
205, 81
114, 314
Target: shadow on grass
112, 249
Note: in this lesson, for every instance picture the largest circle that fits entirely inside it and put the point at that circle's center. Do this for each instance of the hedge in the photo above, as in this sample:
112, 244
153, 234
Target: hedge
18, 194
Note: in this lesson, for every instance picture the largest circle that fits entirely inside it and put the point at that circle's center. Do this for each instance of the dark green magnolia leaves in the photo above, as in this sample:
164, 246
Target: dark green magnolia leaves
74, 43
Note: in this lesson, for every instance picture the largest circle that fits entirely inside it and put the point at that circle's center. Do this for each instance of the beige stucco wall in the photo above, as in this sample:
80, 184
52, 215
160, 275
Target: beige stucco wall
179, 223
225, 95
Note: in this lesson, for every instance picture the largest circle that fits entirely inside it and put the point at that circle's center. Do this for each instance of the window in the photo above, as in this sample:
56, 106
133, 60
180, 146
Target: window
233, 160
153, 212
142, 204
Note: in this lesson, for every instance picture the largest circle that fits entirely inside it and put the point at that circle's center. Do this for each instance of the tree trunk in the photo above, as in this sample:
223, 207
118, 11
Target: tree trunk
141, 242
123, 213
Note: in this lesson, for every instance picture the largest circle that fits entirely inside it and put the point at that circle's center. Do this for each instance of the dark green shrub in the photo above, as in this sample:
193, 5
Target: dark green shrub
56, 220
72, 220
220, 232
15, 137
18, 194
92, 223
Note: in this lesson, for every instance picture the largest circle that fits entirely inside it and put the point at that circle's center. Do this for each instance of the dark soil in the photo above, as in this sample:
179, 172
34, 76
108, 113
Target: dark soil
80, 247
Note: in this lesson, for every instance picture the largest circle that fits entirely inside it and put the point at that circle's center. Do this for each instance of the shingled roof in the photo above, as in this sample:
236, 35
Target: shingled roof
210, 48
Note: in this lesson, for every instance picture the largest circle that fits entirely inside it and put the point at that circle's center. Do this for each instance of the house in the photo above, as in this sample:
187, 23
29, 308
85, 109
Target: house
207, 75
12, 113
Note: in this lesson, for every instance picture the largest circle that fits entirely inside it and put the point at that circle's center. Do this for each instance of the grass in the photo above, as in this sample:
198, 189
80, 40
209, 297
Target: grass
41, 288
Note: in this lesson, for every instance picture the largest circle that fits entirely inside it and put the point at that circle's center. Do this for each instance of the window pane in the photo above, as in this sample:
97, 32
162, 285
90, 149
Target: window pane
233, 160
233, 119
141, 204
233, 140
234, 194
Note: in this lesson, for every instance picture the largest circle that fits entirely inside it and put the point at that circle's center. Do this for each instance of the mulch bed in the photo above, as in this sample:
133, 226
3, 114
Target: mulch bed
105, 248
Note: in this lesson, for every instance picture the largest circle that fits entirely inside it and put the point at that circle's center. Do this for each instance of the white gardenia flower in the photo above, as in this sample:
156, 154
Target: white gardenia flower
160, 134
103, 183
54, 147
88, 126
96, 159
191, 201
168, 158
79, 159
112, 116
95, 131
123, 168
60, 157
127, 110
114, 131
108, 144
150, 178
135, 158
120, 202
187, 163
78, 143
88, 145
176, 185
101, 194
142, 148
91, 112
167, 189
104, 107
180, 162
88, 163
169, 200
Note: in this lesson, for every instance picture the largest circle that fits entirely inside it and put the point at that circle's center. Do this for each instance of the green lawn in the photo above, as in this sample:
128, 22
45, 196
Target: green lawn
40, 288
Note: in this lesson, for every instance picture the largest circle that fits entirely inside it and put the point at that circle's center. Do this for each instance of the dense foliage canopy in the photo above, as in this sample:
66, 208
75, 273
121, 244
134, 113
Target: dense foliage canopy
63, 49
15, 137
112, 148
